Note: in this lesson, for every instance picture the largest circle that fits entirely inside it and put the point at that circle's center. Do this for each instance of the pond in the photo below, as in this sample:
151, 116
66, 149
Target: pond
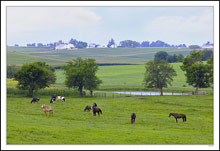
154, 93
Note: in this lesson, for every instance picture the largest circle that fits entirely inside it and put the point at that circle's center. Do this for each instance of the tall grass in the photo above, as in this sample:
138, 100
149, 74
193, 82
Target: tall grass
43, 92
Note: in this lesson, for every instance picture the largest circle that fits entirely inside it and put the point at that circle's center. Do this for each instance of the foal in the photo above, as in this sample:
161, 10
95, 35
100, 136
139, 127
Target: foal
183, 116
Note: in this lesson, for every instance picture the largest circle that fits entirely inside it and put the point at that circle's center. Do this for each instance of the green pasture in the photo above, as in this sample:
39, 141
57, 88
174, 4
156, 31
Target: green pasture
27, 124
125, 77
20, 55
131, 77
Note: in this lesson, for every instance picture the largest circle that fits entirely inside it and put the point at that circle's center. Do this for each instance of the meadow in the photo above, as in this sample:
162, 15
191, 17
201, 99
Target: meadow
27, 124
130, 77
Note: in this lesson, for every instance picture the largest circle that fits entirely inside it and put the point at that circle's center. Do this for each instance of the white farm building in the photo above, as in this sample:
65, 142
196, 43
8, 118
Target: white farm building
65, 46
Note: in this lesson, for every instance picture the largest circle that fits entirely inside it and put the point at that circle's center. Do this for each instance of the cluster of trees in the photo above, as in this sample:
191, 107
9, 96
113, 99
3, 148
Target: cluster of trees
198, 74
162, 55
160, 74
80, 74
158, 43
194, 47
78, 44
111, 43
35, 76
129, 44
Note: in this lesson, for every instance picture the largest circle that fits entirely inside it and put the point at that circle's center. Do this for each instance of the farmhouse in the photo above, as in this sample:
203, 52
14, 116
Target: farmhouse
65, 46
207, 45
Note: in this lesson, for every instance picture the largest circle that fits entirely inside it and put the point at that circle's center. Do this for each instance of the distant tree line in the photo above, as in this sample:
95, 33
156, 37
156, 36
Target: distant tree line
124, 43
158, 43
162, 55
78, 44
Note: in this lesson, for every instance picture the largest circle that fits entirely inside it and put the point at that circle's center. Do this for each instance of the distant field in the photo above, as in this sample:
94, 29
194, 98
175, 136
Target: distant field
17, 55
131, 77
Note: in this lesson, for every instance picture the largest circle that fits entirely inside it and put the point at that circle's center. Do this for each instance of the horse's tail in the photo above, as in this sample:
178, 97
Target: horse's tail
185, 117
100, 111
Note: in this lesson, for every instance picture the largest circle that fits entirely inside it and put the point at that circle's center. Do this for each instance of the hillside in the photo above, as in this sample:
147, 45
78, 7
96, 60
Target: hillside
20, 55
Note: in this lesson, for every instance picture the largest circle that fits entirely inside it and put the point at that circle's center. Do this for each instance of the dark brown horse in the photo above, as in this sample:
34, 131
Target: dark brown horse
183, 116
96, 109
88, 108
133, 116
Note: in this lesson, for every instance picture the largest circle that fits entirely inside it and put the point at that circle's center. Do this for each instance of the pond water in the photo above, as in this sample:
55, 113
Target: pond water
153, 93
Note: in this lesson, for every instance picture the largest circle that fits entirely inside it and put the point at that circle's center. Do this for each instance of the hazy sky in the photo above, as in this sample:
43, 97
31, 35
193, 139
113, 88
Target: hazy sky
174, 25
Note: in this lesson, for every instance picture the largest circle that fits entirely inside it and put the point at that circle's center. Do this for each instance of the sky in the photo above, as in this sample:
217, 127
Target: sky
173, 25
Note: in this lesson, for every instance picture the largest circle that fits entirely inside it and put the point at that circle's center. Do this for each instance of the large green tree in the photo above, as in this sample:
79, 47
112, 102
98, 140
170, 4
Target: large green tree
161, 55
159, 74
35, 76
82, 74
197, 73
210, 66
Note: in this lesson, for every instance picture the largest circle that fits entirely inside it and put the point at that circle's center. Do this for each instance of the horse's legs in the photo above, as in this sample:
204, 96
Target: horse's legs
45, 113
176, 120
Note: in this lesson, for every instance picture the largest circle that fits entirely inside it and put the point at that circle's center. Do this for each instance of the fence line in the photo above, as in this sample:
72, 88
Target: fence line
129, 94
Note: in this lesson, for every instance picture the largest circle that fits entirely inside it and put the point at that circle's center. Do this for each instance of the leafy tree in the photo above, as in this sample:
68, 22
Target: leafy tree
145, 44
129, 43
194, 47
81, 74
158, 74
92, 81
110, 43
207, 53
161, 55
197, 73
11, 70
35, 76
159, 43
180, 57
210, 66
78, 44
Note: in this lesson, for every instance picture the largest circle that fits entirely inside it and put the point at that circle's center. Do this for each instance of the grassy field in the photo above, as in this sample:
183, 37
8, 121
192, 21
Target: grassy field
128, 77
27, 124
20, 55
131, 77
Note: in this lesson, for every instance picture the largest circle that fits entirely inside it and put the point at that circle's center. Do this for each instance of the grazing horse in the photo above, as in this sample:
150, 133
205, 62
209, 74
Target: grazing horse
35, 100
183, 116
94, 105
88, 107
53, 100
96, 109
133, 116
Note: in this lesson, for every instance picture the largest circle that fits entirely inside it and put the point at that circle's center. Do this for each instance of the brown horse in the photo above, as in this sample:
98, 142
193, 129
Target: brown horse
96, 109
183, 116
88, 108
133, 116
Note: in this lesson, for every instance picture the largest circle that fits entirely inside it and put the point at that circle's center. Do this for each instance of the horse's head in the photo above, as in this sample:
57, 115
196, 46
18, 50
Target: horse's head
170, 114
43, 105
